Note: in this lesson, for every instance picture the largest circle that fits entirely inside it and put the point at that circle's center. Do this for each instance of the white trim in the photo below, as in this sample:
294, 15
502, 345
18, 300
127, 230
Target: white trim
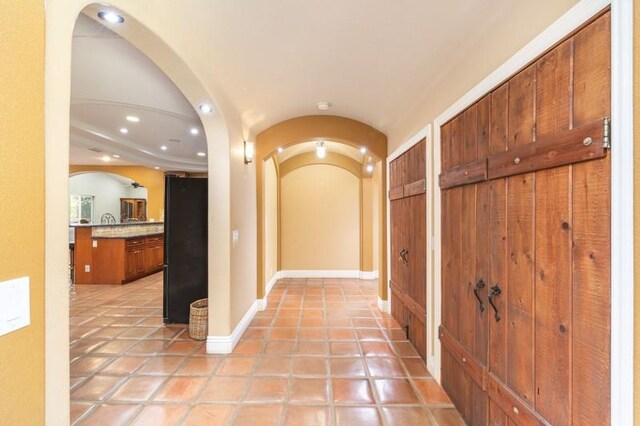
369, 275
622, 220
622, 234
320, 274
262, 303
384, 306
226, 344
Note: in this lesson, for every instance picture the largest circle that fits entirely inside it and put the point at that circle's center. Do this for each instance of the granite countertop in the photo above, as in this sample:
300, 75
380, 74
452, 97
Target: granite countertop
99, 225
127, 237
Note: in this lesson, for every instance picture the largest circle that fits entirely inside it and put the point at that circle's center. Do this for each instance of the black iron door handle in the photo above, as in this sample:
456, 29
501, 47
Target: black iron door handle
479, 285
404, 253
495, 291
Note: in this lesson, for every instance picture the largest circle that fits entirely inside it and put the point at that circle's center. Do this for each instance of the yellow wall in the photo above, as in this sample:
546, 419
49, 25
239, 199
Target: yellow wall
366, 222
636, 218
320, 219
22, 206
152, 179
270, 219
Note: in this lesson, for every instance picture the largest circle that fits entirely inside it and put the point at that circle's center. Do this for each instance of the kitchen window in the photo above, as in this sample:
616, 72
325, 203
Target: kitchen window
81, 208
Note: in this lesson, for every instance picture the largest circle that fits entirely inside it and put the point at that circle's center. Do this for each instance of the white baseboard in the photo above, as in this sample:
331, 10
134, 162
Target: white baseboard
384, 306
262, 303
347, 273
368, 275
225, 344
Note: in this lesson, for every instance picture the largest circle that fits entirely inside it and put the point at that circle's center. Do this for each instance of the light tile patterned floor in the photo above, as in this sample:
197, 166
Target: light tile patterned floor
320, 354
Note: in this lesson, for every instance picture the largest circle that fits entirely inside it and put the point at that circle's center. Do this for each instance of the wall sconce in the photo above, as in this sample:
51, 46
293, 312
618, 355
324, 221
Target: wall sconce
249, 152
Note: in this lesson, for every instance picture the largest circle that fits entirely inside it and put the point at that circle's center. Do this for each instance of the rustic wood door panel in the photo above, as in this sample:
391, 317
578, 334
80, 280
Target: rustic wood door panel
526, 257
408, 243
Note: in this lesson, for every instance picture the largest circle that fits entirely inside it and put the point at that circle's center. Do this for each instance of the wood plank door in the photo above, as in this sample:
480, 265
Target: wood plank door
526, 211
408, 244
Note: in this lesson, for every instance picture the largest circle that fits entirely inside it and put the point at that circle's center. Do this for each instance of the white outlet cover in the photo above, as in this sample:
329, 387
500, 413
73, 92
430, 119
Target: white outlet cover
95, 243
15, 311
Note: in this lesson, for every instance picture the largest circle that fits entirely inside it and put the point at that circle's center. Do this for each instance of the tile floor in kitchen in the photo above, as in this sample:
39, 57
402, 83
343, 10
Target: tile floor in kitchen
320, 354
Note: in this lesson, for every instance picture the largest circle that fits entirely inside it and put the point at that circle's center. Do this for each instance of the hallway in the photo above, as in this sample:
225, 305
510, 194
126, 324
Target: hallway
320, 354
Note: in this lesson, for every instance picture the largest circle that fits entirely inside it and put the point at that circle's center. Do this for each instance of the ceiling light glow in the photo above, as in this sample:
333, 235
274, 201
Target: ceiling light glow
363, 150
163, 147
370, 168
280, 149
201, 154
110, 17
133, 118
124, 130
106, 158
194, 131
116, 156
323, 106
321, 149
206, 108
157, 168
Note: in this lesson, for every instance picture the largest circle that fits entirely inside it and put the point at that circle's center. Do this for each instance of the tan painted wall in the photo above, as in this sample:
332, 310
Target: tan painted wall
22, 206
366, 242
270, 219
376, 217
152, 179
320, 219
636, 210
521, 24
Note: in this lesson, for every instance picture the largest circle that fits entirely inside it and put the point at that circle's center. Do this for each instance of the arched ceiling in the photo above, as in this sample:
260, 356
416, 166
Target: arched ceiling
332, 147
110, 80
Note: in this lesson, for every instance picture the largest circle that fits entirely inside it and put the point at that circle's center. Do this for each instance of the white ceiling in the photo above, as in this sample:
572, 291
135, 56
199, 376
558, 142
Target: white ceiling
110, 80
332, 147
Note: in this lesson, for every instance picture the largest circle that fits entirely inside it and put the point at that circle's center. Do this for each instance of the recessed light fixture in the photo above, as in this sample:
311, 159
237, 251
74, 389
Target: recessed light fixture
201, 154
321, 149
110, 17
115, 156
106, 158
206, 108
194, 131
157, 168
363, 150
124, 130
133, 118
370, 168
323, 106
163, 147
249, 152
280, 149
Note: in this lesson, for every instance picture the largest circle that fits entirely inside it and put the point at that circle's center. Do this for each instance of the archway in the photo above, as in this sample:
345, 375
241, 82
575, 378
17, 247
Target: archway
60, 25
332, 128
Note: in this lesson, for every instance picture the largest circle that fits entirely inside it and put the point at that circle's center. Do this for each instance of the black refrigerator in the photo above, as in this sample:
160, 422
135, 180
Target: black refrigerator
185, 246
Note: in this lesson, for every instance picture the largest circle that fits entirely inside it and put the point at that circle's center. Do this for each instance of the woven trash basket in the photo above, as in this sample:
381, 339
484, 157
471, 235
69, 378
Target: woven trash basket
198, 318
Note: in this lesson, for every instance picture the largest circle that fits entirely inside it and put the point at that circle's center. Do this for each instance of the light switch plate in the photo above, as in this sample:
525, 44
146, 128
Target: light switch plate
15, 311
95, 243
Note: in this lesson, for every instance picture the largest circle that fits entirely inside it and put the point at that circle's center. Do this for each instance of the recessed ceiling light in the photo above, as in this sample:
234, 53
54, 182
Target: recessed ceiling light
163, 147
106, 158
133, 118
124, 130
157, 168
363, 150
201, 154
280, 149
206, 108
370, 168
323, 106
321, 149
194, 131
110, 17
116, 156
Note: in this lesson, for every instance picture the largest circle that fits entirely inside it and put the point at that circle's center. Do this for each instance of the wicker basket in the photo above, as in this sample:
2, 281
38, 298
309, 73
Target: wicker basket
198, 318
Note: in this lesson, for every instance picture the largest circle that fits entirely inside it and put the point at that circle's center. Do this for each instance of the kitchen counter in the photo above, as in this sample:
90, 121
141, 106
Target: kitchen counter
128, 236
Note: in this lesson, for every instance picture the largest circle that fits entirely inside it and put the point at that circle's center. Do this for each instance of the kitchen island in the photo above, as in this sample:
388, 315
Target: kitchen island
117, 254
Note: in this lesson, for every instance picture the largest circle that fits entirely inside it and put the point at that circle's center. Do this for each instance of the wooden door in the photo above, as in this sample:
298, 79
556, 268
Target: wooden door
526, 224
408, 244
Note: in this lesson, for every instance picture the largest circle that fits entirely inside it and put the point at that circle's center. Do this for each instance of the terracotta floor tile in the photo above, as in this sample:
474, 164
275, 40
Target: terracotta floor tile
180, 389
377, 349
283, 322
312, 322
431, 392
78, 409
284, 347
75, 381
137, 388
359, 416
248, 347
344, 349
273, 365
307, 416
111, 414
267, 389
114, 347
148, 347
365, 323
395, 391
339, 322
308, 390
165, 415
385, 367
347, 367
367, 334
84, 346
341, 334
352, 391
283, 334
415, 367
405, 349
309, 366
256, 333
265, 415
225, 389
124, 365
209, 414
96, 388
311, 348
236, 366
199, 366
447, 417
260, 322
397, 335
163, 365
312, 333
406, 416
89, 364
136, 332
166, 332
182, 347
81, 332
